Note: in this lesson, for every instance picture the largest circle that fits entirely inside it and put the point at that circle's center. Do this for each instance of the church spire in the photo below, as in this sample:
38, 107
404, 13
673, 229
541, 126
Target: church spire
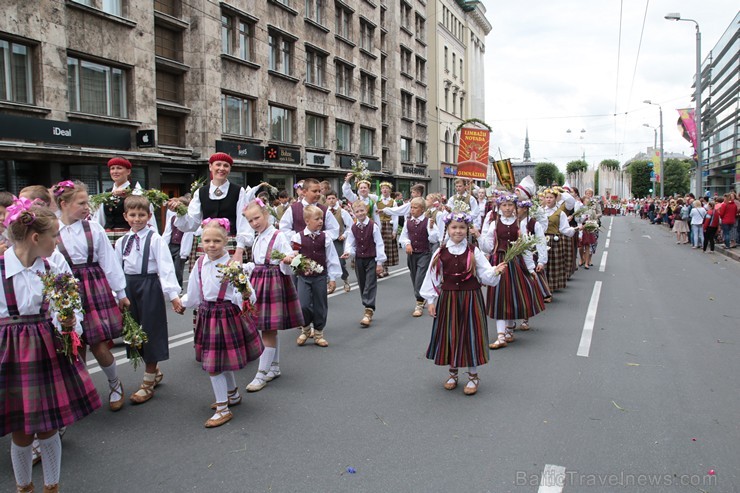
527, 155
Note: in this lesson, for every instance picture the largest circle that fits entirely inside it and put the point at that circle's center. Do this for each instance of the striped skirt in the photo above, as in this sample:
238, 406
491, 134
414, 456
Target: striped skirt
391, 245
558, 263
277, 304
516, 295
40, 389
460, 330
224, 340
540, 278
103, 320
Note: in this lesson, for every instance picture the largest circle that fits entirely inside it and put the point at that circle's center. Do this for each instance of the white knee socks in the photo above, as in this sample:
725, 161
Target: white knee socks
22, 463
230, 380
112, 374
219, 389
51, 459
500, 326
266, 359
276, 357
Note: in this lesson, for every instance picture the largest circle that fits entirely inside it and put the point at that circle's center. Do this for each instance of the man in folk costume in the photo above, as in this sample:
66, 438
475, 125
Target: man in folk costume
388, 226
463, 195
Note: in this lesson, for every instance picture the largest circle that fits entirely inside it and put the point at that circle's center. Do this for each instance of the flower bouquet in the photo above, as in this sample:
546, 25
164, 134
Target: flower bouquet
525, 243
156, 197
134, 337
583, 212
62, 293
591, 226
360, 171
107, 198
196, 185
235, 275
300, 264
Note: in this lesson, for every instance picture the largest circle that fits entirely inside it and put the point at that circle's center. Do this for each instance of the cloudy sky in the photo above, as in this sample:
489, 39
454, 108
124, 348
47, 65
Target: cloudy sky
554, 66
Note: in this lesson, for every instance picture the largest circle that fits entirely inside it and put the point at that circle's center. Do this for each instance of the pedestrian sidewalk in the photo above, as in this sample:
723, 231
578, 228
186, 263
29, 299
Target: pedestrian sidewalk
733, 253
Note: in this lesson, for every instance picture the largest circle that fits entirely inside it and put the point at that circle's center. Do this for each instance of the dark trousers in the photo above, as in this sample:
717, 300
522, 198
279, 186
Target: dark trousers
149, 309
418, 264
727, 233
339, 246
178, 261
709, 235
314, 300
367, 280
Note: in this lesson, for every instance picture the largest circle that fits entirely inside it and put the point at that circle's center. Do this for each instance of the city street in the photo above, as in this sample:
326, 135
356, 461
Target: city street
627, 382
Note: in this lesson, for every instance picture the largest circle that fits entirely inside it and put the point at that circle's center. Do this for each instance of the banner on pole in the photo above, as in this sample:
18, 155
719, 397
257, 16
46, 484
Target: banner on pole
656, 164
504, 173
472, 158
687, 125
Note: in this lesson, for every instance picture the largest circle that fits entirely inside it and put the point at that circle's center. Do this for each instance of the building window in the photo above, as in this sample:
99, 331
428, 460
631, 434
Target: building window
421, 111
454, 65
383, 90
281, 124
420, 27
405, 149
96, 89
16, 75
315, 130
462, 106
237, 37
421, 151
169, 87
343, 25
237, 115
367, 32
421, 69
344, 137
448, 144
454, 102
367, 88
315, 10
454, 148
405, 60
167, 43
113, 7
281, 53
315, 67
447, 99
405, 15
461, 69
169, 130
447, 54
367, 138
169, 7
344, 79
406, 105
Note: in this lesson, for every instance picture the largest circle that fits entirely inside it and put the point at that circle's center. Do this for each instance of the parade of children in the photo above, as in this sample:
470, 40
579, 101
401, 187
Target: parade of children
483, 253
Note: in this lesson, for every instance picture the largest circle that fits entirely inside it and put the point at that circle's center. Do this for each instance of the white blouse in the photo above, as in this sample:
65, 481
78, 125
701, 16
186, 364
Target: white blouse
333, 269
160, 260
210, 281
331, 226
282, 245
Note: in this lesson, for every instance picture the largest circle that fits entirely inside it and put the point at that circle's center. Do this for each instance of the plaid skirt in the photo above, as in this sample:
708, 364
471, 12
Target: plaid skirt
572, 256
516, 295
103, 320
40, 389
391, 245
460, 330
558, 263
277, 304
224, 340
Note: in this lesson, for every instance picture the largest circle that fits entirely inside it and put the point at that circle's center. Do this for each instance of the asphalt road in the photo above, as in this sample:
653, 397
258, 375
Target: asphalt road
648, 403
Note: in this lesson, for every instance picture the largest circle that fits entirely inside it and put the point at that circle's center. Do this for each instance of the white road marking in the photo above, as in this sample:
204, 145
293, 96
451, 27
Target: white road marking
606, 243
602, 267
588, 325
552, 480
121, 355
647, 236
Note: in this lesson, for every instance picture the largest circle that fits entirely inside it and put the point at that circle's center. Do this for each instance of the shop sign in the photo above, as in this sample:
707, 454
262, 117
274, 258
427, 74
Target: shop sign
59, 132
414, 170
241, 150
318, 159
450, 170
278, 154
345, 162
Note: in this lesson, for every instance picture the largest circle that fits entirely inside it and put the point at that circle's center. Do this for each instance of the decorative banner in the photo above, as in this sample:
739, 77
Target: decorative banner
504, 173
656, 165
687, 125
472, 158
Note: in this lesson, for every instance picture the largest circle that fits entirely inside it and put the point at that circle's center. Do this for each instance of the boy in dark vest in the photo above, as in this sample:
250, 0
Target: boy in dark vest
418, 234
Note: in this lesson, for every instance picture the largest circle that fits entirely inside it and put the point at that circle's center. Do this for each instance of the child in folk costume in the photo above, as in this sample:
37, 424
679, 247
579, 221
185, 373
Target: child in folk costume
418, 235
225, 340
88, 251
534, 227
560, 255
452, 289
180, 243
517, 295
388, 227
402, 210
344, 219
150, 273
363, 194
586, 238
292, 220
41, 389
277, 300
315, 244
463, 195
365, 243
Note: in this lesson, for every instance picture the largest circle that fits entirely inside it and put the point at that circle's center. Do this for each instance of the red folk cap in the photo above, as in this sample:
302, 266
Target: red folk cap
221, 156
119, 161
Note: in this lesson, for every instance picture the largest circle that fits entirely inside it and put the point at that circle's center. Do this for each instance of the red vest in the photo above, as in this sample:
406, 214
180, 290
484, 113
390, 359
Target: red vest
506, 235
314, 248
364, 240
418, 234
299, 224
454, 277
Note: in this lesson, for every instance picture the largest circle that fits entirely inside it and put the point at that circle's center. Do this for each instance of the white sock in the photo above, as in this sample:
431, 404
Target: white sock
266, 359
230, 380
276, 357
472, 370
219, 388
51, 459
22, 463
112, 374
500, 326
510, 323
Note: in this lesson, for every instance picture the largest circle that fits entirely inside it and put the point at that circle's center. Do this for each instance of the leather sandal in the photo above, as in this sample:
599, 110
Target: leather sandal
499, 342
158, 377
233, 401
548, 299
509, 334
524, 325
451, 382
471, 389
117, 405
145, 392
303, 336
331, 289
25, 489
319, 340
219, 418
53, 488
347, 287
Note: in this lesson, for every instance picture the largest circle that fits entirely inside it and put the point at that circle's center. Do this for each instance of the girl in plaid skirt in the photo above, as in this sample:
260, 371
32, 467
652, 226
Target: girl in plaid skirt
41, 390
89, 253
225, 340
277, 303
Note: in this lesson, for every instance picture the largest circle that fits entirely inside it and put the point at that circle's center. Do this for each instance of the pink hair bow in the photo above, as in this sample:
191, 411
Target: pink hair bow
259, 202
63, 185
220, 220
13, 212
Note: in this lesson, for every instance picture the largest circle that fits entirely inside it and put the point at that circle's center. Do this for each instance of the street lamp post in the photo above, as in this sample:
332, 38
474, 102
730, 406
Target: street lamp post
662, 162
675, 16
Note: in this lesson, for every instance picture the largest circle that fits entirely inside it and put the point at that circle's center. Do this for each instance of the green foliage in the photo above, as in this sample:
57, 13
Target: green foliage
676, 177
474, 120
576, 166
545, 174
611, 164
560, 179
640, 172
596, 182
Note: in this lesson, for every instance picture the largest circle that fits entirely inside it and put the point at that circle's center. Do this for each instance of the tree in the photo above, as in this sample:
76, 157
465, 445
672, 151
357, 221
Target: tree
676, 176
610, 164
640, 173
560, 179
576, 166
596, 183
545, 174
